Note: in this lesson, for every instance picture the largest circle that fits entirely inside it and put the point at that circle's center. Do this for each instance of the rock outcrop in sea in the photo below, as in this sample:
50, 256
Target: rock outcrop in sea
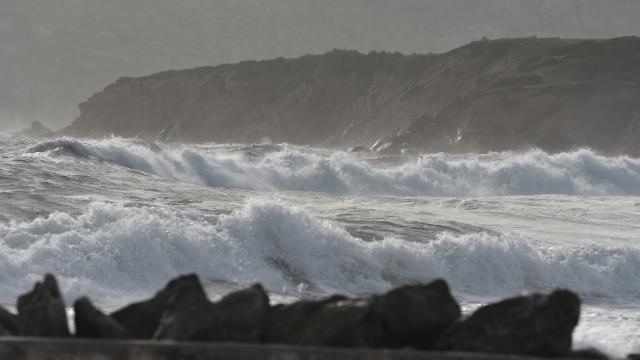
491, 95
35, 130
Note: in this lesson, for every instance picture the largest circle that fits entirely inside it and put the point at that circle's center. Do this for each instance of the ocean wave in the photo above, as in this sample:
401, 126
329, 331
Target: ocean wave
116, 252
581, 172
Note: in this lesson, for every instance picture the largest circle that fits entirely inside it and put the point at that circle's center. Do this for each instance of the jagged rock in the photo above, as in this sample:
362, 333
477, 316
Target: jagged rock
187, 313
141, 319
93, 323
41, 311
536, 325
241, 316
590, 353
238, 317
9, 324
415, 316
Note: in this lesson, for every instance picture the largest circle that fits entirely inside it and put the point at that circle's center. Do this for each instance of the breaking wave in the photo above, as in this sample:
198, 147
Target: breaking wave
115, 251
581, 172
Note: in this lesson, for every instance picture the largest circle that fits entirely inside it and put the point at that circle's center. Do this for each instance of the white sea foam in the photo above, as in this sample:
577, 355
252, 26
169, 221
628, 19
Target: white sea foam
122, 252
580, 172
114, 251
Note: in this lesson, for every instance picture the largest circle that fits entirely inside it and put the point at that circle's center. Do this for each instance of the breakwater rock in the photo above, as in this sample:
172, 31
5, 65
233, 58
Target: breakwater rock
418, 317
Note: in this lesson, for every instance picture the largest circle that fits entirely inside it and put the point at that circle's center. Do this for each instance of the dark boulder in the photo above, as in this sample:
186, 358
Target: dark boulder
41, 312
93, 323
536, 325
415, 316
287, 321
238, 317
9, 324
589, 353
633, 357
410, 316
187, 313
141, 319
335, 321
241, 316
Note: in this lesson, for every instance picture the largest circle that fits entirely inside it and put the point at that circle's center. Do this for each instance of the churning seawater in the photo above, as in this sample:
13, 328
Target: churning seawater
116, 218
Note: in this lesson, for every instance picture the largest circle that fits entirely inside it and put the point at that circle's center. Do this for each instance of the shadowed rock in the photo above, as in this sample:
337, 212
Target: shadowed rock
287, 322
93, 323
41, 311
537, 325
8, 323
141, 319
335, 321
241, 316
238, 317
187, 313
411, 316
589, 353
415, 316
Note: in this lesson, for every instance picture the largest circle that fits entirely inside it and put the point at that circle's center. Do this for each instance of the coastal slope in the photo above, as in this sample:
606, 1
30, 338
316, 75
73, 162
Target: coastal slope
490, 95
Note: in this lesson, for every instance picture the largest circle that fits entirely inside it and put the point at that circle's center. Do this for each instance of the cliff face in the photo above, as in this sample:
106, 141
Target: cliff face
489, 95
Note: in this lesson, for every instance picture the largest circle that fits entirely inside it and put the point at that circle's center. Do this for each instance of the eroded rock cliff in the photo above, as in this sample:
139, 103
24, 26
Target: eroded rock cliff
554, 94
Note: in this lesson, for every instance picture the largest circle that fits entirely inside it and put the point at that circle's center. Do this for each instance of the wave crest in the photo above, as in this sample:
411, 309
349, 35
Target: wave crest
580, 172
115, 251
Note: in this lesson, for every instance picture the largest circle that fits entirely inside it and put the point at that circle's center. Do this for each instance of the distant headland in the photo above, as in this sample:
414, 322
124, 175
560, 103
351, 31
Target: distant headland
490, 95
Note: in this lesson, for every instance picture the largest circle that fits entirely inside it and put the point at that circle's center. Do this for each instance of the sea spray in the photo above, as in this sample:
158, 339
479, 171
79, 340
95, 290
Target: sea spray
115, 251
288, 168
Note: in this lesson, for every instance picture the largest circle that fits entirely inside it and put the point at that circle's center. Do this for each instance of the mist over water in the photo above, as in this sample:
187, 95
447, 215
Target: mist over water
55, 55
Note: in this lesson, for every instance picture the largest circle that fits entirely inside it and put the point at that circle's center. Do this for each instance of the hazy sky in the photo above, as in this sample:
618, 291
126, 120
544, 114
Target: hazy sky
55, 53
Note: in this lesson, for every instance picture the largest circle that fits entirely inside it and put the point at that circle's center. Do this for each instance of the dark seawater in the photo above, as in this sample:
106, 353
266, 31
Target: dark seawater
116, 218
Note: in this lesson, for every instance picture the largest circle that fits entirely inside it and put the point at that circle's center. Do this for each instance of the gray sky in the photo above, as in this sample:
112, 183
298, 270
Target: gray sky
55, 54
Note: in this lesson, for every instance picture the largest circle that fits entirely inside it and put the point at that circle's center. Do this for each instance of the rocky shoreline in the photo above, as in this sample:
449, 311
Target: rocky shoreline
492, 95
425, 319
